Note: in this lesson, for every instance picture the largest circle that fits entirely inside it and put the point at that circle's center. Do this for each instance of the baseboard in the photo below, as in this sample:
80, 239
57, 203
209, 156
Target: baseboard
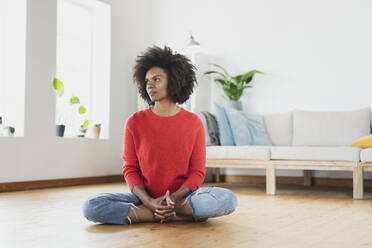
328, 182
41, 184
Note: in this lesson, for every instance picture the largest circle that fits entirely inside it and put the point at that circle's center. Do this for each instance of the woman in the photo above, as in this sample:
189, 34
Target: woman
164, 152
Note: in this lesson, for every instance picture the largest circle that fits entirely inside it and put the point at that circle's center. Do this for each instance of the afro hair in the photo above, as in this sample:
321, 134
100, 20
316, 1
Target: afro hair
179, 69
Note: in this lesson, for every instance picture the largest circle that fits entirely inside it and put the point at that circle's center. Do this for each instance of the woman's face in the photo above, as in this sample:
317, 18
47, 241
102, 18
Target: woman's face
156, 84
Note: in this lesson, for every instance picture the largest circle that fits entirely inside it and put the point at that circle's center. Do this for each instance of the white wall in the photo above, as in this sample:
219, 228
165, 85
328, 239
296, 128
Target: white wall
316, 55
12, 64
40, 154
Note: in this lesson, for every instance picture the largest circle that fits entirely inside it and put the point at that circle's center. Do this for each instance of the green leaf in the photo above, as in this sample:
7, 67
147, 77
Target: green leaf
74, 100
57, 84
247, 77
85, 125
221, 81
216, 72
222, 69
82, 110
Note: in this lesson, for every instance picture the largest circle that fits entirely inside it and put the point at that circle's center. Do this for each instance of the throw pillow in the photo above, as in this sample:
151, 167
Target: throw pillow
247, 129
224, 129
207, 137
364, 142
212, 128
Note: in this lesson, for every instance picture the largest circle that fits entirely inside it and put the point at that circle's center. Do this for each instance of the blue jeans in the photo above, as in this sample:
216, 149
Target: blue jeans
113, 208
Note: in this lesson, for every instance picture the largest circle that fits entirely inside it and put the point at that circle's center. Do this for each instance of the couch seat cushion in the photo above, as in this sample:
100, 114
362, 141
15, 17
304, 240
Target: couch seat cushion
366, 155
334, 153
239, 152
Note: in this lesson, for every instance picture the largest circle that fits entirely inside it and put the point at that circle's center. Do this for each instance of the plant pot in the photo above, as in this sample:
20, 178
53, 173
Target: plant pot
60, 130
236, 104
9, 131
96, 132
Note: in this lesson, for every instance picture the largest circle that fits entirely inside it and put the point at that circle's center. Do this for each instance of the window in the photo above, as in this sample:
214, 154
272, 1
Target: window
83, 64
12, 64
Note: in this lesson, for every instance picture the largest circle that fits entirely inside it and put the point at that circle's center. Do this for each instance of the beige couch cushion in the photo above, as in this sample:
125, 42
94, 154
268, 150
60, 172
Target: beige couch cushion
239, 152
366, 155
315, 153
334, 128
279, 128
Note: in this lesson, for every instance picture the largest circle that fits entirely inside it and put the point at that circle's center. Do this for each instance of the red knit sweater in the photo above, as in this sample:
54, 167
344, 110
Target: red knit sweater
164, 152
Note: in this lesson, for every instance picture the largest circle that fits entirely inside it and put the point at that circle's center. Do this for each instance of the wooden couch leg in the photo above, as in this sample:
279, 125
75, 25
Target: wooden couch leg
307, 178
358, 182
217, 175
270, 180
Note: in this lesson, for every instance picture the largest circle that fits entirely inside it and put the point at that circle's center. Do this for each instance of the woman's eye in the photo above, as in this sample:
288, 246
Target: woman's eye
156, 79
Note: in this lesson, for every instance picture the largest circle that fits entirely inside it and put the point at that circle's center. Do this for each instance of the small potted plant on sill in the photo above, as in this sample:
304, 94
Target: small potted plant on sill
83, 129
10, 130
59, 89
97, 130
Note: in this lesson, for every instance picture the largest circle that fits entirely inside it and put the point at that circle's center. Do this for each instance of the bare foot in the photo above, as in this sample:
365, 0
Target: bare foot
183, 208
141, 213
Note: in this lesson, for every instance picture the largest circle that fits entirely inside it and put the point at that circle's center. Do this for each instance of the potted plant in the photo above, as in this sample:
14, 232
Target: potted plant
74, 100
10, 130
83, 129
96, 130
59, 89
233, 86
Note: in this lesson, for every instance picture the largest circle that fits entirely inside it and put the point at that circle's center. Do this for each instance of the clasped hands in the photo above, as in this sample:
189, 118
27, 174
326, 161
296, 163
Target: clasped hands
164, 206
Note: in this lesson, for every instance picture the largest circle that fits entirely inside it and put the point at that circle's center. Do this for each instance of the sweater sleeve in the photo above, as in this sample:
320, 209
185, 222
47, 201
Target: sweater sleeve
197, 161
131, 168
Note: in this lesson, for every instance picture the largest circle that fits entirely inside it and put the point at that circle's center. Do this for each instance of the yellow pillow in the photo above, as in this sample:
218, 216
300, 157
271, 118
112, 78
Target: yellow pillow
364, 142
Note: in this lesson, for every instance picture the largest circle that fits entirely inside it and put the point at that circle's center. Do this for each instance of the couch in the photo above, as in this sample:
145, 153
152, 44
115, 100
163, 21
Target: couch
303, 140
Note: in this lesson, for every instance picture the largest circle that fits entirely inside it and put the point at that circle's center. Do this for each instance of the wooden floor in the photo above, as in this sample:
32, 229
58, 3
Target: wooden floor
295, 217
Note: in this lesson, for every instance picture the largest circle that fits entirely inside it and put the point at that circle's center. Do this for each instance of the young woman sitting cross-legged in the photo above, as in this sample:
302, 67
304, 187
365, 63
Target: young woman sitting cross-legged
164, 152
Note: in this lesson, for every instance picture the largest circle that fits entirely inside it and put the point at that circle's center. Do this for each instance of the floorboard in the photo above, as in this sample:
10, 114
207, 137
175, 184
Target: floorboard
296, 217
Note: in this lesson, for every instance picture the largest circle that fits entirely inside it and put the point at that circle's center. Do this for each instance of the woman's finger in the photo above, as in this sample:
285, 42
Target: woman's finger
169, 201
162, 212
164, 207
168, 217
164, 196
159, 216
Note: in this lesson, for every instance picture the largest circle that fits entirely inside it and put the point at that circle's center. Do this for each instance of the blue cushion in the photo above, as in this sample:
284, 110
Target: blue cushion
247, 129
224, 129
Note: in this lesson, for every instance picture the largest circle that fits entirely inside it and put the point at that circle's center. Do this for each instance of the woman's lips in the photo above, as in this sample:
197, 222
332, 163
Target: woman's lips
152, 93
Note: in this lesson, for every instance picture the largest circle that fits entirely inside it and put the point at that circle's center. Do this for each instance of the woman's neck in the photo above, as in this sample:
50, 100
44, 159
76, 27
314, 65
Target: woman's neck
165, 110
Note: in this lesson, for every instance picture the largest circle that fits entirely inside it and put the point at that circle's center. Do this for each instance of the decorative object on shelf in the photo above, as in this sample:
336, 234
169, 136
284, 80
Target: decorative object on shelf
10, 130
59, 89
96, 130
83, 129
60, 130
233, 86
1, 126
6, 130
